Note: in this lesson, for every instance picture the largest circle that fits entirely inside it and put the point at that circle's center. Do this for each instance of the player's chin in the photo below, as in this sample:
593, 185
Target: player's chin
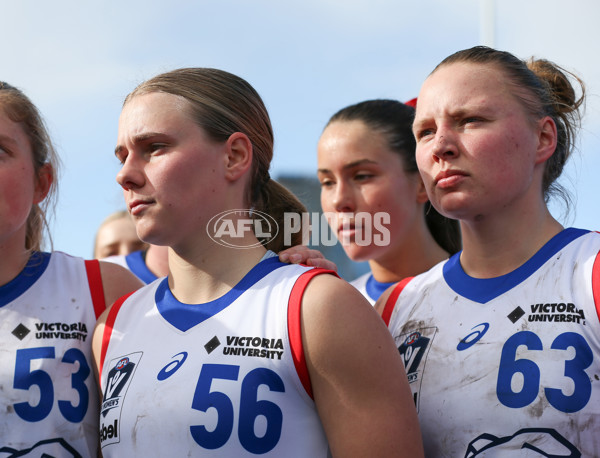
454, 205
149, 232
358, 252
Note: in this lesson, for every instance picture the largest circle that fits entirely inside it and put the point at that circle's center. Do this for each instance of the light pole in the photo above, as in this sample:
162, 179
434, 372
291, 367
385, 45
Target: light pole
487, 23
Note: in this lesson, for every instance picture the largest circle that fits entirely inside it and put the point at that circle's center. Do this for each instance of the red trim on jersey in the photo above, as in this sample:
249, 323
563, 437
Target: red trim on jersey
295, 326
92, 269
596, 283
108, 327
388, 308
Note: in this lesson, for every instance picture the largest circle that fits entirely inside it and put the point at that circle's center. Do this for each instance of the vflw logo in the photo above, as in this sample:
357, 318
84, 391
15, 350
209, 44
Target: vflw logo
117, 382
414, 347
117, 378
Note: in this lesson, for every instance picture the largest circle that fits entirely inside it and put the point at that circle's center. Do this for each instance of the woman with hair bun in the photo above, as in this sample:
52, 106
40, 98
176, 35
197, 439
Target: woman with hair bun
501, 343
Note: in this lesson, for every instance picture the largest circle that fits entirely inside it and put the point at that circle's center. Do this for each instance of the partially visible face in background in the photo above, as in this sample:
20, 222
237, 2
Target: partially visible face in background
117, 237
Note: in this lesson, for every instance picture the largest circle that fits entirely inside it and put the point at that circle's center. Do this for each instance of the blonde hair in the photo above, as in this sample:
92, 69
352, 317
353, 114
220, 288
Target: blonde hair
221, 104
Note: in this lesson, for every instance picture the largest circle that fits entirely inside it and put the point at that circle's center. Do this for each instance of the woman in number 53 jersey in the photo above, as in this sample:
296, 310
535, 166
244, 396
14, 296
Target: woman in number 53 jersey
49, 303
501, 343
234, 353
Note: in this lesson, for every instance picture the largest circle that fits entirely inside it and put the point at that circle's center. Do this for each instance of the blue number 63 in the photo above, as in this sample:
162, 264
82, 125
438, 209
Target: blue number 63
250, 408
574, 369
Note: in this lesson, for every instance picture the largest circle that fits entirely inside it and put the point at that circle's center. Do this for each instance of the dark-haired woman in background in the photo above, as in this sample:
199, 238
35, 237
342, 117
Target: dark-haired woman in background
368, 172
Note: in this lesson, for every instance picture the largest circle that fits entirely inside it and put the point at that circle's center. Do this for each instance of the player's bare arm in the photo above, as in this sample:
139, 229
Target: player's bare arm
358, 379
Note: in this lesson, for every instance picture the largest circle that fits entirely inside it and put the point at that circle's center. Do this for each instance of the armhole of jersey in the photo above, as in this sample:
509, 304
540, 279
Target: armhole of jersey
92, 269
388, 308
596, 283
108, 327
295, 327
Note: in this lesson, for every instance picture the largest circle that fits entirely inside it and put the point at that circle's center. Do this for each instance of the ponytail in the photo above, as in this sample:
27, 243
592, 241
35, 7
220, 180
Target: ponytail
276, 200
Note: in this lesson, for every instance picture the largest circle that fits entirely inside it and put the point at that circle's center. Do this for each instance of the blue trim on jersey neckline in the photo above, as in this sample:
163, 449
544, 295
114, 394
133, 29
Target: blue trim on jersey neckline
35, 267
376, 288
136, 263
186, 316
483, 290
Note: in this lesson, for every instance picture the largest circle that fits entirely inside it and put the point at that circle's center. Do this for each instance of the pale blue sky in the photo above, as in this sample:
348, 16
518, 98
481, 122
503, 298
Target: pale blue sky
77, 60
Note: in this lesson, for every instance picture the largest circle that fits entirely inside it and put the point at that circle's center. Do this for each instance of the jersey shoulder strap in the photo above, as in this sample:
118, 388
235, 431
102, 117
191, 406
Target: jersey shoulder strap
596, 283
92, 269
294, 324
388, 308
108, 327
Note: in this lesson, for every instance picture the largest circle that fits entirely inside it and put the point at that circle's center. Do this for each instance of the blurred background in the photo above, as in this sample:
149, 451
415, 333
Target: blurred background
77, 61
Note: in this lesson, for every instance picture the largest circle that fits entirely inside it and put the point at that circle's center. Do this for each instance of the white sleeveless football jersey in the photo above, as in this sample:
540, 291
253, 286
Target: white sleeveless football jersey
48, 395
507, 366
136, 263
214, 379
369, 287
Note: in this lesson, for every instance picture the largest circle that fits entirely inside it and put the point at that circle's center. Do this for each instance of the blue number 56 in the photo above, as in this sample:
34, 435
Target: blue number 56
250, 408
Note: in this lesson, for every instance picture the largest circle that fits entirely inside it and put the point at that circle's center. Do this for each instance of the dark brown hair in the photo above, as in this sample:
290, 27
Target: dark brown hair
393, 120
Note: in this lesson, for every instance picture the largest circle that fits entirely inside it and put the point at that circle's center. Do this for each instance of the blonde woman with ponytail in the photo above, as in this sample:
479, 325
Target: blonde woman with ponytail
234, 353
